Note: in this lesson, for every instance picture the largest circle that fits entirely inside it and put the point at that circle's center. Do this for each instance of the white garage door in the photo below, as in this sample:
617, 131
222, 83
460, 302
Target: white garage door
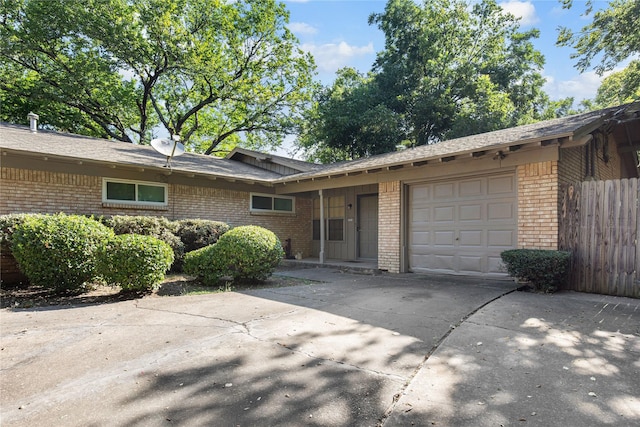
461, 226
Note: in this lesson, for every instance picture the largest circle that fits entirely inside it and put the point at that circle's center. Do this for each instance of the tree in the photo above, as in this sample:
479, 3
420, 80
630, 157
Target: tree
349, 121
613, 36
449, 68
449, 57
209, 71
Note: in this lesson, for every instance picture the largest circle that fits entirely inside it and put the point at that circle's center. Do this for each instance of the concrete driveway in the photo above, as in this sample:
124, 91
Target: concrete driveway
388, 350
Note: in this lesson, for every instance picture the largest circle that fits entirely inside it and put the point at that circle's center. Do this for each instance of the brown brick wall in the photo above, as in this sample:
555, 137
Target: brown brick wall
573, 163
389, 226
538, 205
26, 191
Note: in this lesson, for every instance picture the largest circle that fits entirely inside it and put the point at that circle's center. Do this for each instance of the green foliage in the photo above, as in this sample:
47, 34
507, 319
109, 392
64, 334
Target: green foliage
250, 252
243, 253
8, 224
59, 251
350, 120
134, 262
546, 270
198, 233
612, 37
204, 264
158, 227
207, 70
620, 88
450, 68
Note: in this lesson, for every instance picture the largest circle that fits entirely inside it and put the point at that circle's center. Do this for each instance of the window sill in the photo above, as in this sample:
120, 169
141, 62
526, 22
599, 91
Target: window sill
134, 206
272, 213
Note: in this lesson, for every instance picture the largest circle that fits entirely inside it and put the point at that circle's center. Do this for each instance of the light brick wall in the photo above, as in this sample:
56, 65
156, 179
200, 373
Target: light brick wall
389, 226
26, 191
538, 205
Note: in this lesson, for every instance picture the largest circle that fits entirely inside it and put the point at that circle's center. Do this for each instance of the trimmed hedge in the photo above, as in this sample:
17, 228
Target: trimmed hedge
243, 253
59, 251
546, 270
204, 264
10, 273
8, 224
158, 227
134, 262
198, 233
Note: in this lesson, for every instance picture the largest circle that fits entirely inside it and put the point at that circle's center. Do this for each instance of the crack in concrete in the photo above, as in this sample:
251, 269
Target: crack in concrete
396, 397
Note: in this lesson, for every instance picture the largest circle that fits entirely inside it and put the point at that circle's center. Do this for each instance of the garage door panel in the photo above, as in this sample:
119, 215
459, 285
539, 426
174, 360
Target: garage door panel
462, 225
470, 188
443, 191
501, 185
444, 213
421, 239
500, 211
443, 262
501, 238
470, 263
443, 238
471, 238
470, 212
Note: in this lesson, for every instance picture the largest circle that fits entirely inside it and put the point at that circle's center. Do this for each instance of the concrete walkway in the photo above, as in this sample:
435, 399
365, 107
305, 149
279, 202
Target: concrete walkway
354, 350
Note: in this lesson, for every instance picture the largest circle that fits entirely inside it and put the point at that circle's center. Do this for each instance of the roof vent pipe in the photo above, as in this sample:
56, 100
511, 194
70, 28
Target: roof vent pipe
33, 122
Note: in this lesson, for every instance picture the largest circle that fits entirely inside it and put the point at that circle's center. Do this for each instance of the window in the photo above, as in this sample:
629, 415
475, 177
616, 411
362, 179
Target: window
134, 192
268, 203
333, 217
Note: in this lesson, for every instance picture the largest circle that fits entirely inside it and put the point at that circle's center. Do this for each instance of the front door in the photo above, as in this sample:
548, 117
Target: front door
368, 226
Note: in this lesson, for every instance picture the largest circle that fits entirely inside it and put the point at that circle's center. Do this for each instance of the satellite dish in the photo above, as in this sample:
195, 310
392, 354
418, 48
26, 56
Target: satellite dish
169, 147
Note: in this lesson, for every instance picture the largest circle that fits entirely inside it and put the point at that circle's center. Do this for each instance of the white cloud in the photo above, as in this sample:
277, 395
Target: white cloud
525, 10
581, 86
302, 28
332, 56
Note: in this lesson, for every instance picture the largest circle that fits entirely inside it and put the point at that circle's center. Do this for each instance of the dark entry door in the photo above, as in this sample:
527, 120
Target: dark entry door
368, 226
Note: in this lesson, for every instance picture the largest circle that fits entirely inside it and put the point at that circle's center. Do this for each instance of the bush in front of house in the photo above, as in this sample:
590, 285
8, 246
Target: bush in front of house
59, 251
158, 227
8, 224
134, 262
545, 270
10, 273
204, 264
243, 253
198, 233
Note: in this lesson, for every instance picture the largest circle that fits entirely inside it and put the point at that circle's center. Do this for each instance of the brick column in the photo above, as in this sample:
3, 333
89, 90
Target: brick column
538, 205
389, 226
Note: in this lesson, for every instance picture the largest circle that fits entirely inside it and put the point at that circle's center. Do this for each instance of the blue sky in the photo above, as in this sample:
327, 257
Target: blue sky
337, 34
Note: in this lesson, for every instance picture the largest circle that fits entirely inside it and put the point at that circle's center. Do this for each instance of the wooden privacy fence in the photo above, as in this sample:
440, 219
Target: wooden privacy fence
599, 224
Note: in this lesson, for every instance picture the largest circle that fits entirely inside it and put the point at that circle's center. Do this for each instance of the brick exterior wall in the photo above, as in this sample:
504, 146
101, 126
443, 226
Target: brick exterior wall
389, 214
538, 205
27, 191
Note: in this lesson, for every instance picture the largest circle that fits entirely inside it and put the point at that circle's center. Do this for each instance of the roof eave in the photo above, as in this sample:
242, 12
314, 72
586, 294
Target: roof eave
138, 167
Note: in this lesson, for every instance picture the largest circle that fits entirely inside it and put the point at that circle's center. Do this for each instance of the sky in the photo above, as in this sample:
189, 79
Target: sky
336, 32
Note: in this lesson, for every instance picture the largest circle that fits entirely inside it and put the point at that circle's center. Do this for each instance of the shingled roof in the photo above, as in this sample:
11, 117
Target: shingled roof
565, 128
77, 147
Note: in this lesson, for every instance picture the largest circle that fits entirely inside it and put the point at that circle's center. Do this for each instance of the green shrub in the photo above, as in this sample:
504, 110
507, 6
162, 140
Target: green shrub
8, 224
204, 264
546, 270
158, 227
10, 273
243, 253
134, 262
59, 251
198, 233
